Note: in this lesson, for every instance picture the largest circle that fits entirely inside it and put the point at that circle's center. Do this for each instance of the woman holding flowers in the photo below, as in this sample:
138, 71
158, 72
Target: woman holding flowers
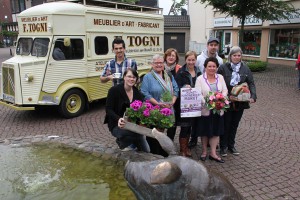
211, 122
118, 99
235, 72
171, 59
154, 85
186, 78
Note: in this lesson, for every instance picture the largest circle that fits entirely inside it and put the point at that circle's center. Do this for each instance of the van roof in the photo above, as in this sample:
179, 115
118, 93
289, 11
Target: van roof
79, 9
55, 7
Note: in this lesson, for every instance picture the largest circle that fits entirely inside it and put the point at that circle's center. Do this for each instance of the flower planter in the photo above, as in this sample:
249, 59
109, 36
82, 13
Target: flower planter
165, 142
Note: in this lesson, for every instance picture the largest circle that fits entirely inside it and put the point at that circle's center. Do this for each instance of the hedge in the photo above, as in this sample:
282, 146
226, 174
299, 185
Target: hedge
256, 65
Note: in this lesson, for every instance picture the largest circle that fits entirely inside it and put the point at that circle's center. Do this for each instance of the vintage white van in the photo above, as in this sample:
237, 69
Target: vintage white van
33, 77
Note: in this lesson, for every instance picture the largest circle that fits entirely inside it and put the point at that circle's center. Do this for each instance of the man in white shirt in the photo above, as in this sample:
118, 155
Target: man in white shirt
210, 51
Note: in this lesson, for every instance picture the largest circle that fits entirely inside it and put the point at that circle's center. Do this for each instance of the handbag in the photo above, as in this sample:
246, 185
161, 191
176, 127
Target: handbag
240, 92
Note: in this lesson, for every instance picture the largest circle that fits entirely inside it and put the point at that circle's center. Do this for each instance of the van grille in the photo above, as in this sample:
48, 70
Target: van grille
8, 80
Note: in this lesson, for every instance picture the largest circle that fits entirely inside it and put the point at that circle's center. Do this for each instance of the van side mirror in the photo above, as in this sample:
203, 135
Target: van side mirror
67, 42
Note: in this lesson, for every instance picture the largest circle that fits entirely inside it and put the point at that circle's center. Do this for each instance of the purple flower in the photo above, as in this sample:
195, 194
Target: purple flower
136, 105
149, 105
156, 107
166, 111
146, 112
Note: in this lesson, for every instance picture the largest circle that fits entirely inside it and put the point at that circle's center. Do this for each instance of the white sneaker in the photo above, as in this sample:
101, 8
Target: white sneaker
129, 148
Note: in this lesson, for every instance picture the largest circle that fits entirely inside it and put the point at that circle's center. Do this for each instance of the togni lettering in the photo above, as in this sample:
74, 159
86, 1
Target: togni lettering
148, 25
145, 41
107, 22
36, 27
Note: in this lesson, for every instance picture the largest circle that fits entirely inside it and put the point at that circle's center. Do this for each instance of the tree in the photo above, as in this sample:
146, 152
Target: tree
177, 6
261, 9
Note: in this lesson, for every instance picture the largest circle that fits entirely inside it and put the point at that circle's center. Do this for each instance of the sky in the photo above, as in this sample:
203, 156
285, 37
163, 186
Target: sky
166, 5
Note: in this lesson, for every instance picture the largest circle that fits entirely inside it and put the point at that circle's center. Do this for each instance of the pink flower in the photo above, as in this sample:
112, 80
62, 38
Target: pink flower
149, 105
136, 105
156, 107
146, 112
219, 96
166, 111
212, 97
226, 102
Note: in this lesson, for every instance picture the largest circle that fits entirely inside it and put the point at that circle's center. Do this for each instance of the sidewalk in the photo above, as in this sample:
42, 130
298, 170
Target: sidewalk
268, 139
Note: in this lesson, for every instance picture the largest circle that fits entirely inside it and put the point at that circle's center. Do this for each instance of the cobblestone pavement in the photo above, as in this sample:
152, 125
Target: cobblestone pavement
268, 137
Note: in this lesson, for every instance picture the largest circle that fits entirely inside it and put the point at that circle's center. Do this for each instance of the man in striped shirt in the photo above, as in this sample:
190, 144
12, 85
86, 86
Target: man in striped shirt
117, 65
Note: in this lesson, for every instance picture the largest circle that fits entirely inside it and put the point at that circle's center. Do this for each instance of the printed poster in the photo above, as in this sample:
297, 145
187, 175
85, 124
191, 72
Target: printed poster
190, 102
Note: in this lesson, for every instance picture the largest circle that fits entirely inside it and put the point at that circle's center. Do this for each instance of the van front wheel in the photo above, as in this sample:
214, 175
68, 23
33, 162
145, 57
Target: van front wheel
72, 104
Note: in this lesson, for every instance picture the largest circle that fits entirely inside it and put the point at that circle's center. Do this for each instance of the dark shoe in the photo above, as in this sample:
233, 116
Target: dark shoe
192, 143
223, 152
233, 151
203, 157
216, 159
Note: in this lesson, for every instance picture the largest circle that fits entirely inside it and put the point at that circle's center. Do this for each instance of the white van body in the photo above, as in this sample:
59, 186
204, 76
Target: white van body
33, 77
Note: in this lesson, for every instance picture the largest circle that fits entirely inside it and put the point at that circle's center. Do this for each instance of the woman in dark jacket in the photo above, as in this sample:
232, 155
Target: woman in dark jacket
235, 72
118, 99
186, 78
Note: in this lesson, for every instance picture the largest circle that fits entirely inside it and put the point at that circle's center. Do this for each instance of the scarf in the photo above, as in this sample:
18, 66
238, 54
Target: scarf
169, 68
235, 76
165, 84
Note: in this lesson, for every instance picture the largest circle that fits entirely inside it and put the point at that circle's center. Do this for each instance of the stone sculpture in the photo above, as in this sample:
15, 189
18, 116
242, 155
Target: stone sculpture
175, 178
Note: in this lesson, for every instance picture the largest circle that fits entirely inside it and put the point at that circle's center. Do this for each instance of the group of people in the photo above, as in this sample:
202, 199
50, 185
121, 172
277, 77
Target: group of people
205, 72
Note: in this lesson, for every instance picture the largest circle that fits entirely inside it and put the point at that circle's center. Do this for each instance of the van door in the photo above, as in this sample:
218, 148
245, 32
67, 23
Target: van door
66, 62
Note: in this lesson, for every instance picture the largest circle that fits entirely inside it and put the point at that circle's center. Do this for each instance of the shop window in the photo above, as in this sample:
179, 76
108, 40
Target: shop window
284, 43
251, 43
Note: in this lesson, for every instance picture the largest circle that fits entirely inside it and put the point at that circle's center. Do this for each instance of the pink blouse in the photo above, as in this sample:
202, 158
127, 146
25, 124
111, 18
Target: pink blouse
204, 87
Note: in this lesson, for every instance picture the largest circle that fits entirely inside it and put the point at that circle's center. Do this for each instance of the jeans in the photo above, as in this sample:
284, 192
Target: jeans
231, 123
126, 138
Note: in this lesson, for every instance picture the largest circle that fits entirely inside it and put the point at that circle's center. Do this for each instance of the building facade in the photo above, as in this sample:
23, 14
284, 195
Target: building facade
277, 42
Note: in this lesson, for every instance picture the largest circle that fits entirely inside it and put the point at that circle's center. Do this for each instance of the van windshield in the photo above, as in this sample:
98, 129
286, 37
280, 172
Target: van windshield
37, 47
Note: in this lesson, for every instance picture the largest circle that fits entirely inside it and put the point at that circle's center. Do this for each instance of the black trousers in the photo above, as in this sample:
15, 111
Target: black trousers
231, 123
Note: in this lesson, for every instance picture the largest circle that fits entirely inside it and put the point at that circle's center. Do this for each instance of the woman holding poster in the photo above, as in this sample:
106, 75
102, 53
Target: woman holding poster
186, 78
210, 124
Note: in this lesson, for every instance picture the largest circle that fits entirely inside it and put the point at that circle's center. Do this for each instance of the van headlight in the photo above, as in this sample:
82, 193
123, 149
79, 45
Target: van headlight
28, 77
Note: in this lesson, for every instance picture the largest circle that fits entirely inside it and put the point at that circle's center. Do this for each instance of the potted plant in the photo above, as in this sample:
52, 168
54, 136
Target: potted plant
166, 97
150, 116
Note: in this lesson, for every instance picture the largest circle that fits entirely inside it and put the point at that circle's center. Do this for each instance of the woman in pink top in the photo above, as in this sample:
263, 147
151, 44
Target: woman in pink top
210, 125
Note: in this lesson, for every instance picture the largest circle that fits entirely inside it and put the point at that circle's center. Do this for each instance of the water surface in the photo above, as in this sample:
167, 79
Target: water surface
57, 173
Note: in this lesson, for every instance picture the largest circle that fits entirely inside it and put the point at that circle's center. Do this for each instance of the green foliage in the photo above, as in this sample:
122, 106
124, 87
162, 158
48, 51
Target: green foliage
256, 65
166, 97
178, 4
261, 9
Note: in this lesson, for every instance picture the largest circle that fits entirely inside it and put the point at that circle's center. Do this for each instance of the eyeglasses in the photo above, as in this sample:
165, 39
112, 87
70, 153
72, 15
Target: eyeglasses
131, 77
158, 63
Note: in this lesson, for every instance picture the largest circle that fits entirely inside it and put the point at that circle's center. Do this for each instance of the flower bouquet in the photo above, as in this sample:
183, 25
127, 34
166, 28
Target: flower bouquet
150, 116
216, 102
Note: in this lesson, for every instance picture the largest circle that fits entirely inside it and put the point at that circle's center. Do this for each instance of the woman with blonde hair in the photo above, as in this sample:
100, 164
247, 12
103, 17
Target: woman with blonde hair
186, 78
171, 59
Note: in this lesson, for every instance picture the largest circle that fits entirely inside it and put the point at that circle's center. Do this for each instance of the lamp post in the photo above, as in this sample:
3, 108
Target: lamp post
5, 20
